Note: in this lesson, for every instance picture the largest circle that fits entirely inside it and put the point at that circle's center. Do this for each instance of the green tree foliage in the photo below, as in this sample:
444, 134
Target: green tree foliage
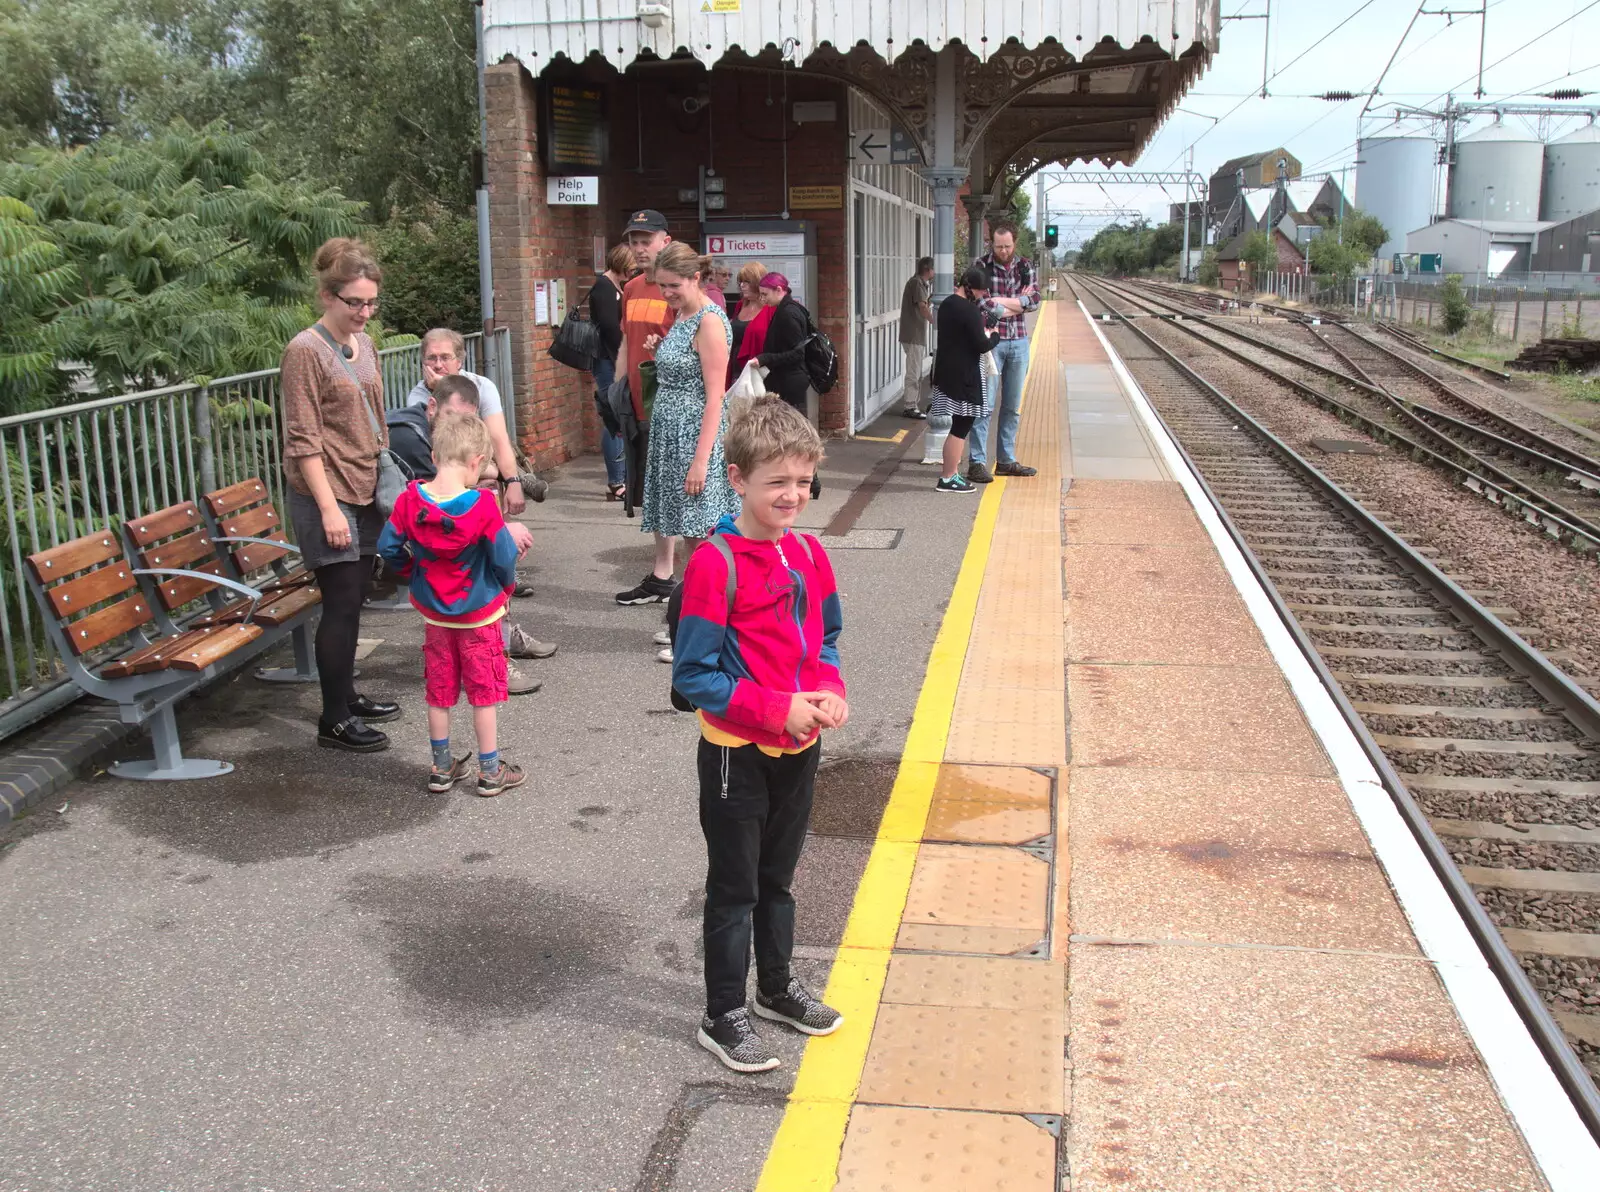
1457, 310
188, 258
1259, 252
1343, 250
36, 283
1209, 272
378, 99
430, 271
1132, 248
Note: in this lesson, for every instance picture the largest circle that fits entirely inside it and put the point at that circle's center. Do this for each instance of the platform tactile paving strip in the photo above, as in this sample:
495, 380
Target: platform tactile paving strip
985, 982
967, 886
966, 1057
893, 1148
986, 823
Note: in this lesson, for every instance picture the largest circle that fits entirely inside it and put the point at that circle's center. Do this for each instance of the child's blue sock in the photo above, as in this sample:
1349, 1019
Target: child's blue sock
489, 763
441, 754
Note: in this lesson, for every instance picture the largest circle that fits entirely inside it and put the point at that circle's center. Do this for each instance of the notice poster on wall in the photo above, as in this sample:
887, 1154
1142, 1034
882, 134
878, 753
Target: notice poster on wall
541, 303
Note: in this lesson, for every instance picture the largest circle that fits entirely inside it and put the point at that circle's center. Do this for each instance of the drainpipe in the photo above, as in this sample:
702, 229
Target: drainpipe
491, 354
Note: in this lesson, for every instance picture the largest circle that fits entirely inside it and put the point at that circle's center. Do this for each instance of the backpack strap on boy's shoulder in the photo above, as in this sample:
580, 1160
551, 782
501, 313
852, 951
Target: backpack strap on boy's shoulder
720, 542
805, 544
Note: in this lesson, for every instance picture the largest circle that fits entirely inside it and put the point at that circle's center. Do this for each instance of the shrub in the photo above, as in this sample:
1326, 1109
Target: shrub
1457, 310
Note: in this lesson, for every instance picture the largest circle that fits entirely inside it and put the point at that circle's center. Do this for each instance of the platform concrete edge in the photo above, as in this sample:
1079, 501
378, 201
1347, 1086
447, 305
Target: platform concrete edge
1561, 1145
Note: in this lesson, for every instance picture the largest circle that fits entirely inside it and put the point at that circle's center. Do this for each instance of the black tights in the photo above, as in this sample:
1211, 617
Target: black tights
344, 588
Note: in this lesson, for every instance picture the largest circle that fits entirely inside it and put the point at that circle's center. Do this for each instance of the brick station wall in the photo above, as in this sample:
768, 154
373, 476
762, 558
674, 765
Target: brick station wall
656, 150
529, 240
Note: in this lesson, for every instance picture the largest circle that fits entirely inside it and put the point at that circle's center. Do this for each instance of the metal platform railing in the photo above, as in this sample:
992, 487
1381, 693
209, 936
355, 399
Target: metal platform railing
71, 469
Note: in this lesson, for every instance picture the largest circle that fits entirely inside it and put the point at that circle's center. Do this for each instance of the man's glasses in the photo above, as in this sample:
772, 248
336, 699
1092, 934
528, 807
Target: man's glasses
450, 359
357, 305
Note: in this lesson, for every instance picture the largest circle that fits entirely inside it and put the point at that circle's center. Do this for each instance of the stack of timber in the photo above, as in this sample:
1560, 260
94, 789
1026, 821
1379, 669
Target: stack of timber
1559, 355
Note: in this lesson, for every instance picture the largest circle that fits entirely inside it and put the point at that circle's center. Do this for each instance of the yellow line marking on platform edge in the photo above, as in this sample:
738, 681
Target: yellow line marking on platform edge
805, 1152
898, 437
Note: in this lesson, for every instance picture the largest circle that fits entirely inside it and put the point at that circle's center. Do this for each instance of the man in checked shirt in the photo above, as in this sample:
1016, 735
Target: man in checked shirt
1015, 292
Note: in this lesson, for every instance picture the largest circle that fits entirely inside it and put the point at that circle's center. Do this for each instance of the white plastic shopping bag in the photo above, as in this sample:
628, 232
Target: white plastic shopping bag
749, 386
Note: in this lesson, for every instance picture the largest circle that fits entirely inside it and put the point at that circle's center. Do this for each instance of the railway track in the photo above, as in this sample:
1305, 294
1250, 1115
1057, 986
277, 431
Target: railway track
1530, 475
1490, 750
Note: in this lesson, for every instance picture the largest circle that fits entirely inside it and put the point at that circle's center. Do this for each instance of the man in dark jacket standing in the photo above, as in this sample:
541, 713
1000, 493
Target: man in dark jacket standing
1015, 292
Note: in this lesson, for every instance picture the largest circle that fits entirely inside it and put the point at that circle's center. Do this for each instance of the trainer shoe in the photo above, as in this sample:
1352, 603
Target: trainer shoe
533, 488
665, 656
650, 590
1010, 467
978, 474
518, 683
502, 780
913, 412
663, 637
955, 484
797, 1008
440, 781
732, 1039
525, 645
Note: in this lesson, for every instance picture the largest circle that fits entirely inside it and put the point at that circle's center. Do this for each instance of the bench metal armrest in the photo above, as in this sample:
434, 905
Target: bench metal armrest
244, 590
263, 542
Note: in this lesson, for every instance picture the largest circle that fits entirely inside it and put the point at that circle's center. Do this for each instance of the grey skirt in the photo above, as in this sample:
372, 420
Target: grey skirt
365, 526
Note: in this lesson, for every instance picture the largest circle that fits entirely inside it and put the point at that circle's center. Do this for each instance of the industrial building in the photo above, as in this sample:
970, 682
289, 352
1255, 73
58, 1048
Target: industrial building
836, 138
1512, 203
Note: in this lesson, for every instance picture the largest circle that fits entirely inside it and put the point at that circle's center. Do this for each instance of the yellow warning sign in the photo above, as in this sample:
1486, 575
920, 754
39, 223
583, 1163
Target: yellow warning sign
816, 198
715, 6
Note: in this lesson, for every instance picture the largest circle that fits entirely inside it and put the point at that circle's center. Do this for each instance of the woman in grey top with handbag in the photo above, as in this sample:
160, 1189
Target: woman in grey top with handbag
334, 441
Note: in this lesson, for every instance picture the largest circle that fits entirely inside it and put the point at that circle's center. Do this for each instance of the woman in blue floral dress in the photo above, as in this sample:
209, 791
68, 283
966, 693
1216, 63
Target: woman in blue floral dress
686, 487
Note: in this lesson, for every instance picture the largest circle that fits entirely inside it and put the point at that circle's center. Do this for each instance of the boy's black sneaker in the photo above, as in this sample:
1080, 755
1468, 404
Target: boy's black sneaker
797, 1008
651, 590
440, 781
732, 1039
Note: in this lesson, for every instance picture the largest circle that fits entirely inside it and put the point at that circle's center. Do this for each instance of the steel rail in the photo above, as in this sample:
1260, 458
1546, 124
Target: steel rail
1543, 675
1505, 490
1548, 448
1412, 341
1577, 467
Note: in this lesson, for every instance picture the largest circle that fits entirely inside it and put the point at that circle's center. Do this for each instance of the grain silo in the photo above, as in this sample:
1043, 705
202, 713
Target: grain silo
1572, 175
1497, 175
1394, 184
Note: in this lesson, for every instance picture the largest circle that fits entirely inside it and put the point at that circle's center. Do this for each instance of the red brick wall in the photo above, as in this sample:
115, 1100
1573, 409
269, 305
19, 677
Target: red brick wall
555, 418
742, 138
738, 134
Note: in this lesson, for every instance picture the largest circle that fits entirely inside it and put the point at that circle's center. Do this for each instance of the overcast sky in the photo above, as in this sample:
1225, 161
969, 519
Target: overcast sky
1437, 57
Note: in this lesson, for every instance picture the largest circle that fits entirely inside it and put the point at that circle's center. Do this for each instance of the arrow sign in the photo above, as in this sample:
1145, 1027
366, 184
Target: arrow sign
872, 146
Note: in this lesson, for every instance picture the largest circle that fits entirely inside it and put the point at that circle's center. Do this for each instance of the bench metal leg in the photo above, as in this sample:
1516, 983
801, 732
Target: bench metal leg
169, 763
305, 666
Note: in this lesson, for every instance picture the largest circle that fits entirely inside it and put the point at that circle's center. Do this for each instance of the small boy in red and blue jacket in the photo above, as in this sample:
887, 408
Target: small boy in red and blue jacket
449, 541
763, 671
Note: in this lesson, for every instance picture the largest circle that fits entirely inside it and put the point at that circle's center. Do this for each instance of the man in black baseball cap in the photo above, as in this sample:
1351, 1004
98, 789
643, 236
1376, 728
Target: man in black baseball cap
644, 221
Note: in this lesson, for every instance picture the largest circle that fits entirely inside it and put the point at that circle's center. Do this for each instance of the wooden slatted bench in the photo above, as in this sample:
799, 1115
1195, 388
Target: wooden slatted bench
184, 536
91, 595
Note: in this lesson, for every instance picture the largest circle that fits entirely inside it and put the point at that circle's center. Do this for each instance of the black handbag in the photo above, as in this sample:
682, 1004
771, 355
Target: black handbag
577, 341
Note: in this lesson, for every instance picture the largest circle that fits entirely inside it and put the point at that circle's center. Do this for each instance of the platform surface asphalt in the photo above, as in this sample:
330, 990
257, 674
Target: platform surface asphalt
312, 975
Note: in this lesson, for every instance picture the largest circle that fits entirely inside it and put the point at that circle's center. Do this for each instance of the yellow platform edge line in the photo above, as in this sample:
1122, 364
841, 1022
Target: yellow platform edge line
804, 1156
805, 1151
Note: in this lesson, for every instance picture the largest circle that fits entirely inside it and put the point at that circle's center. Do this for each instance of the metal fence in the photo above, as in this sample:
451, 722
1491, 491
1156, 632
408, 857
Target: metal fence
74, 469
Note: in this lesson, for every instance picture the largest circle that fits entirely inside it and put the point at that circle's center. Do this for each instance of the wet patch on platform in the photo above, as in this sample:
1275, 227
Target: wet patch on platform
850, 797
473, 951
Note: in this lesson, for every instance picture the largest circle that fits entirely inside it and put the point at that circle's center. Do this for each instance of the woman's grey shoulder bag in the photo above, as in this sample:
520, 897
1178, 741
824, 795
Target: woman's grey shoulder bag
391, 478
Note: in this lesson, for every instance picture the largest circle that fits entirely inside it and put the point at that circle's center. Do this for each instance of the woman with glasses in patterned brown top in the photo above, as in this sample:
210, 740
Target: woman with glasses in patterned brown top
333, 430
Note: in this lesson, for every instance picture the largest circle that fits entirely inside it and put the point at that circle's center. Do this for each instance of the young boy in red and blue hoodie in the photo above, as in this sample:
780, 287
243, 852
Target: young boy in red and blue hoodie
762, 668
449, 541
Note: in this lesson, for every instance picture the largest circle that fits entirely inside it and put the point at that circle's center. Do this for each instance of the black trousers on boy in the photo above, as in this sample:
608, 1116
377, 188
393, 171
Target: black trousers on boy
754, 810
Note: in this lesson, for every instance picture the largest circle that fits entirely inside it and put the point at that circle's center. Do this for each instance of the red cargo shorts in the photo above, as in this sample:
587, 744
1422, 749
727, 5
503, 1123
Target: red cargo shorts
471, 658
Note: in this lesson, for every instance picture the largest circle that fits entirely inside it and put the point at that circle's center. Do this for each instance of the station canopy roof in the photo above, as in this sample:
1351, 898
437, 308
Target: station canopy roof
1041, 80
